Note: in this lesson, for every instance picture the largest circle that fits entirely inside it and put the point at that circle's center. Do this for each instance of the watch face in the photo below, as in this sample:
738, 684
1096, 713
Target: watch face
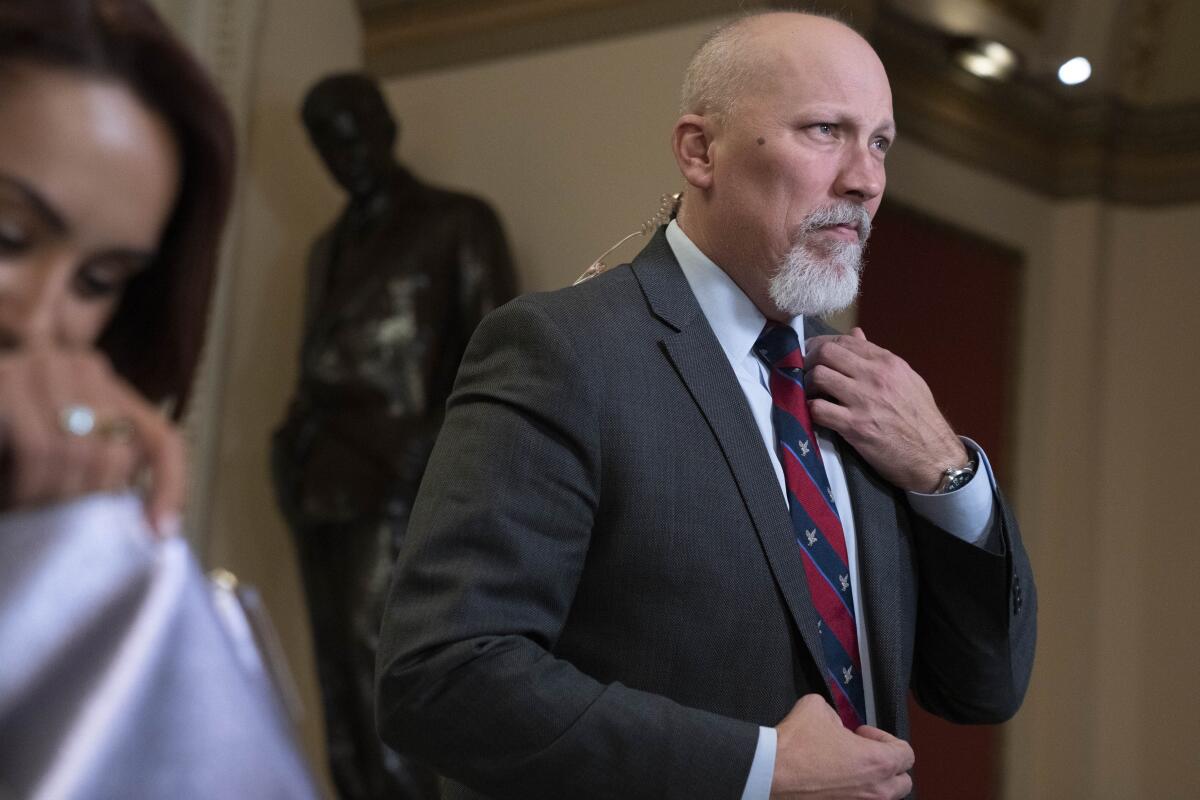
957, 479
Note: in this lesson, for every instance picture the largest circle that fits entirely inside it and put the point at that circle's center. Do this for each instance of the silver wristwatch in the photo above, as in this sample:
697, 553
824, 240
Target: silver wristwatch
957, 477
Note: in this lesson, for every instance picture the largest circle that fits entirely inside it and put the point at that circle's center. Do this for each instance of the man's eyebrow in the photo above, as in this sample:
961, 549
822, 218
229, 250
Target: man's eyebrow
40, 204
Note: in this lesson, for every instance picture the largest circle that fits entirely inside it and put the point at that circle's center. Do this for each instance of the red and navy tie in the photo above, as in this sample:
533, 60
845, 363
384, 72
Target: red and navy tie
815, 520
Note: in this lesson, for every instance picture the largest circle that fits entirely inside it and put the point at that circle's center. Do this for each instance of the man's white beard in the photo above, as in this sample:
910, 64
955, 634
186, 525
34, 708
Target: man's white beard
819, 276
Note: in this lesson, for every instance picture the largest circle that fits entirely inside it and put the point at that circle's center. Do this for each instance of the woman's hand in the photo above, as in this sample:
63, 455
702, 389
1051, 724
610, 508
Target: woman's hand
69, 426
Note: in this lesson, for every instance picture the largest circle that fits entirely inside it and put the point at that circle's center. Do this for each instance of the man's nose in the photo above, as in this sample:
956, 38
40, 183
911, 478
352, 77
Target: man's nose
862, 175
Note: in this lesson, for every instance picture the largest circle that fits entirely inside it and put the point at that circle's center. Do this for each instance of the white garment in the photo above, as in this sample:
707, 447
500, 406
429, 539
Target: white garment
119, 677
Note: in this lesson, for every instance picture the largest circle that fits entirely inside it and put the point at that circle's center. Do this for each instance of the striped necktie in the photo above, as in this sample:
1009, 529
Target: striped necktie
815, 520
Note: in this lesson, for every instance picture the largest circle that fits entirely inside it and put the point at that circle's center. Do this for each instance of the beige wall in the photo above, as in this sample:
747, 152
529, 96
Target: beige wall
1148, 722
571, 146
285, 199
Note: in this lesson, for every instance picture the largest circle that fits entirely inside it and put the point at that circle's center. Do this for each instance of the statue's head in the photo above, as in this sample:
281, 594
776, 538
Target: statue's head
352, 129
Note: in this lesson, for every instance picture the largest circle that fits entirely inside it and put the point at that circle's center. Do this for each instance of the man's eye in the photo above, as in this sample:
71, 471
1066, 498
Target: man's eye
825, 128
881, 144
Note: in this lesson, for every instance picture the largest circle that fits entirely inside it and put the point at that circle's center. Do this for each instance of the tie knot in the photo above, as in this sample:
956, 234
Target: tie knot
778, 345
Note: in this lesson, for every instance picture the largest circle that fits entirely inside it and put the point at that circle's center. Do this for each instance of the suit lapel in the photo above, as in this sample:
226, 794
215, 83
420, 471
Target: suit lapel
702, 366
876, 535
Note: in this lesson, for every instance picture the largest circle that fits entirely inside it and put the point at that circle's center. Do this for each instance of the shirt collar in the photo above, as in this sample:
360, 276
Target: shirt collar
734, 319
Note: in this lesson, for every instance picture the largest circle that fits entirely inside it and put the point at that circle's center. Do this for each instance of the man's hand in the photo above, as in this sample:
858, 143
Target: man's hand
118, 436
816, 758
882, 408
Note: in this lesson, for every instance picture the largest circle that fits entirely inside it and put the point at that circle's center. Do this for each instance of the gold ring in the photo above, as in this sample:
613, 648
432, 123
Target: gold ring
117, 429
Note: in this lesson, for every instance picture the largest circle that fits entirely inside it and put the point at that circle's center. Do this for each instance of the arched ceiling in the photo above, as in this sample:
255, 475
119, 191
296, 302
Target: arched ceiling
1141, 50
1130, 134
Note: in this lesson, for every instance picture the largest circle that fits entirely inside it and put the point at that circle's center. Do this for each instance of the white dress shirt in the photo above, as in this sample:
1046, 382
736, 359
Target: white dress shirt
968, 513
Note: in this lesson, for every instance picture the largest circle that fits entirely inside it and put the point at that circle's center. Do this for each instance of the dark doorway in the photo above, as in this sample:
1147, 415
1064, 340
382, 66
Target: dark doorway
948, 303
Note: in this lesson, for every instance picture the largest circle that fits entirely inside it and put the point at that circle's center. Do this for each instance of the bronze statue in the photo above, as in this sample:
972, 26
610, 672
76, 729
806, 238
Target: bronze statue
395, 288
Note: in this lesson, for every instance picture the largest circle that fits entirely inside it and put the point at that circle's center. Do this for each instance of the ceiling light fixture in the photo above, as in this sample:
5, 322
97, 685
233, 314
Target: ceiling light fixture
986, 58
1075, 71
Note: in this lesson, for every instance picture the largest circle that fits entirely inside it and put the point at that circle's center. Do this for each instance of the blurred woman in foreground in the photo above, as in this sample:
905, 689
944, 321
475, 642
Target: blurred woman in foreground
116, 167
119, 676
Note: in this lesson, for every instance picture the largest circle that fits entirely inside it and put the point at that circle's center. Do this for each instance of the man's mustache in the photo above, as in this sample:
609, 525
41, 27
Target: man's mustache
844, 213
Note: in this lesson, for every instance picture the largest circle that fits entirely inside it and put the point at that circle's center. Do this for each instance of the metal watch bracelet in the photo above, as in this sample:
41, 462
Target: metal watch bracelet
954, 478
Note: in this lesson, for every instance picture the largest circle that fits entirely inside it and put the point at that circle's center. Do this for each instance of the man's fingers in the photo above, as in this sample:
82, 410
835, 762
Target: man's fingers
858, 333
823, 381
846, 354
812, 703
898, 753
898, 786
817, 757
830, 415
878, 734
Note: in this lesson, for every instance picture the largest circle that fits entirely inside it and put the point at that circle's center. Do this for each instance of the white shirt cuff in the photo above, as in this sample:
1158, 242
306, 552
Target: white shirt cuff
762, 768
969, 512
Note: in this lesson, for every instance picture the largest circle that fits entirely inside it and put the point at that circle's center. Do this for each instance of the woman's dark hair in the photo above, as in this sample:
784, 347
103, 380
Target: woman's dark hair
155, 337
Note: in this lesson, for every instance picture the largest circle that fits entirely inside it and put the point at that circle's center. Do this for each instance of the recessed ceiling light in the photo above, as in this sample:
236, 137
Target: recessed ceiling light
978, 64
1001, 54
1075, 71
986, 58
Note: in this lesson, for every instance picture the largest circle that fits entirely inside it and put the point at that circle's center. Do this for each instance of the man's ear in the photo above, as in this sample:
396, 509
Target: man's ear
691, 141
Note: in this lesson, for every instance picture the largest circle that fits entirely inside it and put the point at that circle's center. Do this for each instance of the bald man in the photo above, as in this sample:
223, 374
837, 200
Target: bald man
677, 538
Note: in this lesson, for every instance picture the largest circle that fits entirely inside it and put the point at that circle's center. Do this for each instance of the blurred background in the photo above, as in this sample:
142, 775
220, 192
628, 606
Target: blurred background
1035, 259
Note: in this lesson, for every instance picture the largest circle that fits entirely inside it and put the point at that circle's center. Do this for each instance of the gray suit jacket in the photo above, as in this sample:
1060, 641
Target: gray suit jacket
601, 594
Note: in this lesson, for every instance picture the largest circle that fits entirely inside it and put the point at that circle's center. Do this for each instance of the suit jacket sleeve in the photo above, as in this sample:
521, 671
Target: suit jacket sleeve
499, 536
976, 623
